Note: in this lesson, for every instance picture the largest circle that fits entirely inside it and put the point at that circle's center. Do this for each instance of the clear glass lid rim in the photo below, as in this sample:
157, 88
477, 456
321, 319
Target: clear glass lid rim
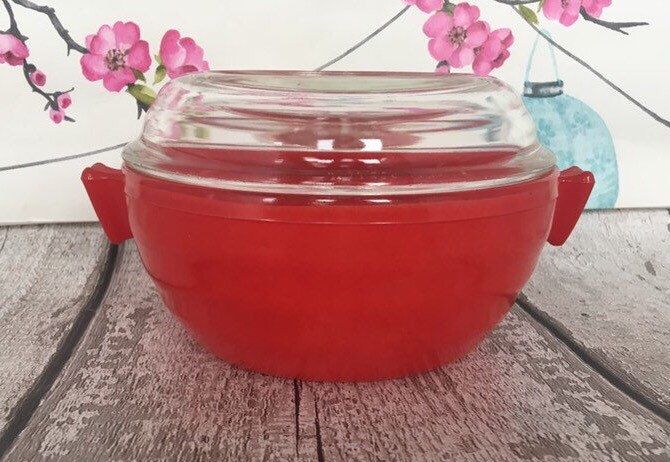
269, 80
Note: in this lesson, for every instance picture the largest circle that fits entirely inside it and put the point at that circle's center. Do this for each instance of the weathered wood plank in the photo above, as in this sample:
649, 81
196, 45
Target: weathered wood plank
46, 276
609, 286
139, 388
521, 395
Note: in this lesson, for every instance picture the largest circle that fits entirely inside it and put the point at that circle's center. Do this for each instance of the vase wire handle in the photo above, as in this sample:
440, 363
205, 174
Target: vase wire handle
532, 56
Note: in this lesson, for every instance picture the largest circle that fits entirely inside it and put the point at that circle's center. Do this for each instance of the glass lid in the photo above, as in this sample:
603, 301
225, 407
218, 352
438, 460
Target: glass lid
339, 133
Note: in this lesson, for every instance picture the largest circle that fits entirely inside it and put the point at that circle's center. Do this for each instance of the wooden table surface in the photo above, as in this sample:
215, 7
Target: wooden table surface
92, 367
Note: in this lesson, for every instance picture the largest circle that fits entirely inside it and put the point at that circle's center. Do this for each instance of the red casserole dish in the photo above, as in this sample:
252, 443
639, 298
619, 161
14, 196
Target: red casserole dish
338, 226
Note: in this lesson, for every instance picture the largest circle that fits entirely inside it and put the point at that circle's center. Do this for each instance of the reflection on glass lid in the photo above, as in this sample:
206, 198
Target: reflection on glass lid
339, 133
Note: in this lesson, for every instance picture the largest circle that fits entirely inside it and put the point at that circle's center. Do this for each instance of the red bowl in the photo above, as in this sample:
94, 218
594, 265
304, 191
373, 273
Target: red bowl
337, 288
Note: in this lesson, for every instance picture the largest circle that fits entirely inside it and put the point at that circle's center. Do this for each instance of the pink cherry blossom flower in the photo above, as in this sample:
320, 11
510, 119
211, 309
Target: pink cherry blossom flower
38, 77
595, 7
56, 116
427, 6
64, 100
458, 36
494, 52
181, 55
564, 11
113, 54
12, 50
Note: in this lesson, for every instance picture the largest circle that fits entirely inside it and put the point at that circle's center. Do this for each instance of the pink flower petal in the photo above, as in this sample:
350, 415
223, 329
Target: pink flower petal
138, 56
38, 77
463, 15
440, 49
127, 34
194, 53
64, 100
181, 55
21, 50
505, 36
12, 50
573, 6
491, 49
5, 43
89, 39
462, 56
595, 7
477, 34
500, 60
552, 9
93, 66
171, 52
14, 60
56, 116
568, 18
474, 13
12, 45
183, 70
428, 6
482, 66
565, 11
189, 69
103, 41
438, 24
117, 80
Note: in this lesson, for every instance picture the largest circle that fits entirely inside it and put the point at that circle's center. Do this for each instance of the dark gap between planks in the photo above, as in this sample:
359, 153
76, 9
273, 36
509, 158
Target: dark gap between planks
28, 403
604, 370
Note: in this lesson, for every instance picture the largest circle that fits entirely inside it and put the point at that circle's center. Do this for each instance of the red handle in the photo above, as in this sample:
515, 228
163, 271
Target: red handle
574, 189
105, 188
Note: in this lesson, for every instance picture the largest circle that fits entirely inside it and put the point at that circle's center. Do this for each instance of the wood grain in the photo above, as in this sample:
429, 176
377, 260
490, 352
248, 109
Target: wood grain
609, 287
521, 395
139, 388
46, 276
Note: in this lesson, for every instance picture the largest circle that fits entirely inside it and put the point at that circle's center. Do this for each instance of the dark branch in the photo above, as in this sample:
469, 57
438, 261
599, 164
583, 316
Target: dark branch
52, 97
62, 159
615, 26
13, 28
10, 12
598, 74
28, 68
51, 13
364, 41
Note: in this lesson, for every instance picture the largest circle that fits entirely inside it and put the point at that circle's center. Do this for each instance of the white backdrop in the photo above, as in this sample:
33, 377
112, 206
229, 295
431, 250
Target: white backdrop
302, 34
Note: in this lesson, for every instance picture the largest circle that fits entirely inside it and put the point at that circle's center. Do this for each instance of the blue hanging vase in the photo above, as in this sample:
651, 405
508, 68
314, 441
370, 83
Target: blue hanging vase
574, 132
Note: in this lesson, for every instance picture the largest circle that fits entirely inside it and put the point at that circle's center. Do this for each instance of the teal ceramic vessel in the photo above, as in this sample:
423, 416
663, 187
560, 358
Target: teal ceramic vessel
576, 134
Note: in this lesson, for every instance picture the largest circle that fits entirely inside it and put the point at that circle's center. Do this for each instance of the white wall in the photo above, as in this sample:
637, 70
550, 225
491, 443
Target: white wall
302, 34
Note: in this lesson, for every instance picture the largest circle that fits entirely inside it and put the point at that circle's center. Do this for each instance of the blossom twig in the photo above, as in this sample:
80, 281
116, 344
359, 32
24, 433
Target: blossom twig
615, 26
362, 42
51, 13
597, 73
50, 97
